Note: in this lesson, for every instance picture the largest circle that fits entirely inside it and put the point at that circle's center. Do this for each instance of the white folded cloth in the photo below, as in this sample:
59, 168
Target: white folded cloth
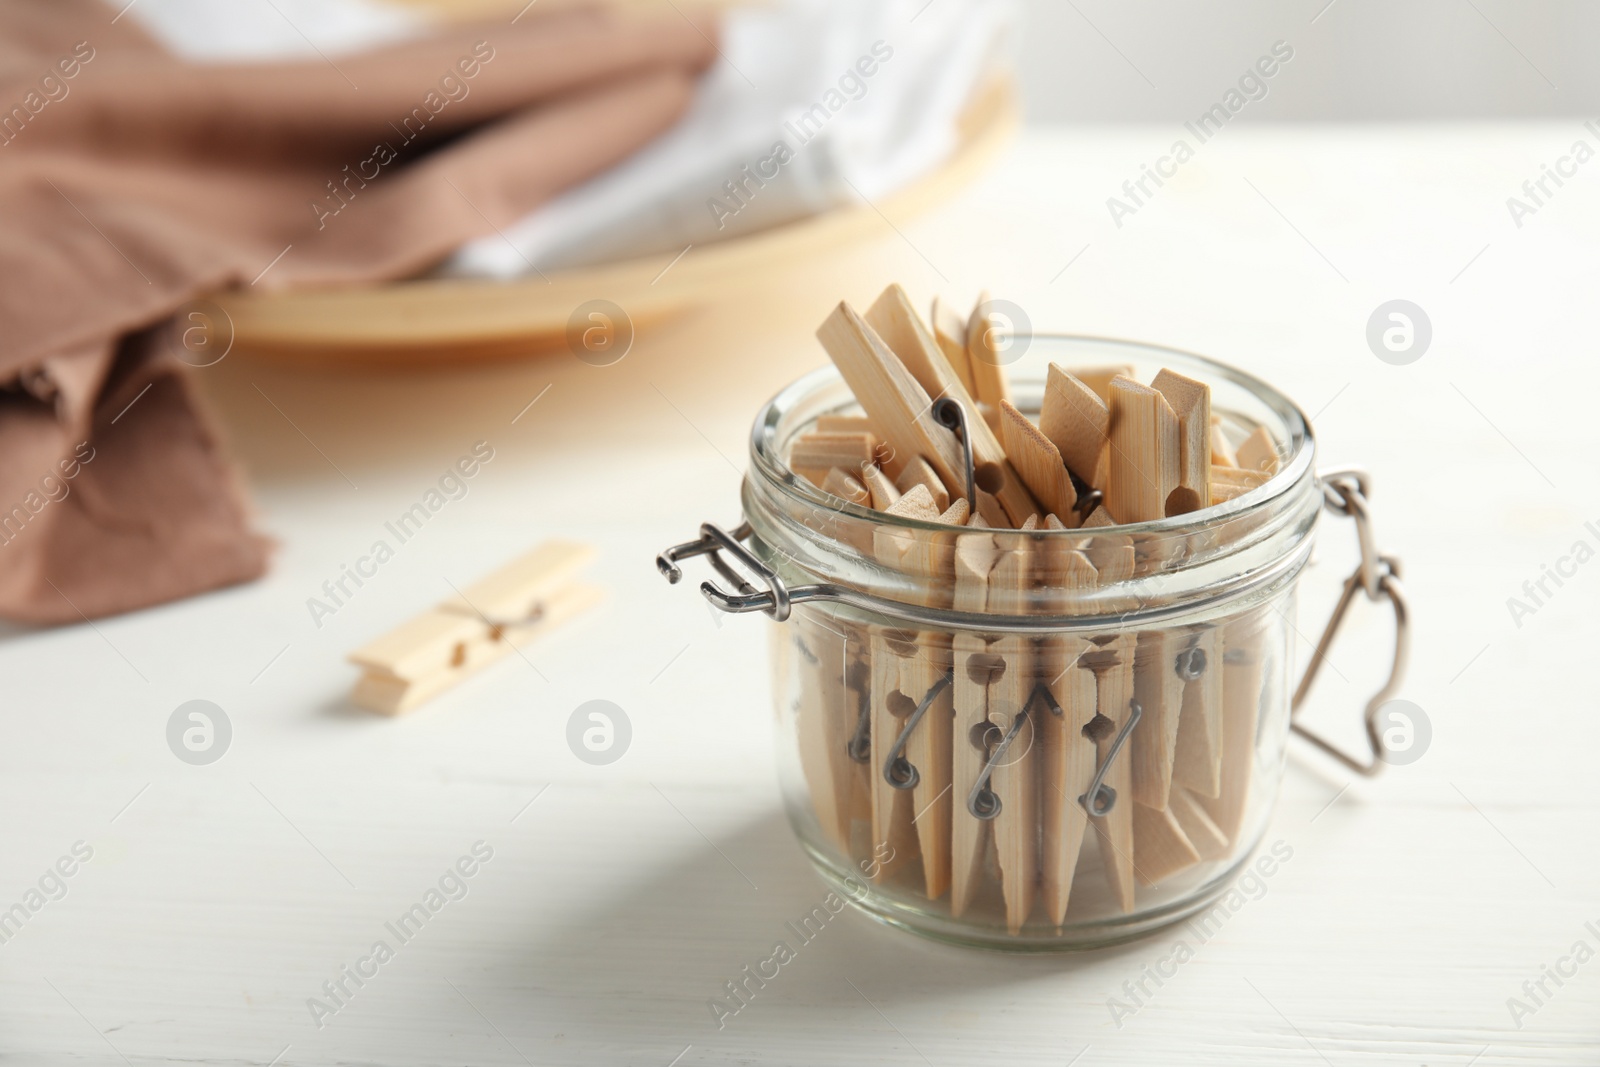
241, 31
814, 104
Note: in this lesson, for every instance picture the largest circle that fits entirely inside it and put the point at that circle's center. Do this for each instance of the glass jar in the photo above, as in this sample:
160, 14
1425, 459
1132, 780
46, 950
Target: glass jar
1030, 740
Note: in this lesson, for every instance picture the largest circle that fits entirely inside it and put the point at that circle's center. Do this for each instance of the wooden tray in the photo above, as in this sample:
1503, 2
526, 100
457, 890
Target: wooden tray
434, 319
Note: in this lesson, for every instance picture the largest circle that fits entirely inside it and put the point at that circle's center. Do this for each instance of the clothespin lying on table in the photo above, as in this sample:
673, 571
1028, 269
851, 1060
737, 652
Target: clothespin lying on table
426, 655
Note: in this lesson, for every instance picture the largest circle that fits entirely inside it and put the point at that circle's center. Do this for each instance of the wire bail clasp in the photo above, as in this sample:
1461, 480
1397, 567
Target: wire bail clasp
1345, 492
714, 540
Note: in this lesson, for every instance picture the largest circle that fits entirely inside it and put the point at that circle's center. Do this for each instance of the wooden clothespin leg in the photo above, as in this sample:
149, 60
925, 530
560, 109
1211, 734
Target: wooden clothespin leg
950, 330
975, 669
1016, 772
917, 472
929, 747
1068, 752
1229, 482
925, 702
1112, 663
1244, 652
1098, 379
856, 718
1037, 463
1160, 847
1158, 687
1197, 761
1201, 830
1259, 452
825, 722
426, 655
928, 750
901, 676
984, 352
894, 836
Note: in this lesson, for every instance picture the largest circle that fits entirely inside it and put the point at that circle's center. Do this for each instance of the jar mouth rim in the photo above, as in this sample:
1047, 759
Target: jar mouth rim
1292, 471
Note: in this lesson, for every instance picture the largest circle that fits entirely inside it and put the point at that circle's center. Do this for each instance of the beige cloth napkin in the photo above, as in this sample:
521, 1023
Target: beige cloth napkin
131, 183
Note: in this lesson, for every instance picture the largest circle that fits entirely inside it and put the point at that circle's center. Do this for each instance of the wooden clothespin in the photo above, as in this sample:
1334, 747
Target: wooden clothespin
423, 656
950, 330
1245, 645
1098, 379
846, 486
1015, 777
901, 676
884, 492
1191, 403
917, 472
976, 671
841, 483
1144, 452
815, 454
1111, 660
1160, 847
925, 685
825, 724
1037, 462
1069, 754
1197, 762
900, 409
842, 424
1229, 482
897, 322
1161, 466
1158, 687
1077, 422
988, 376
1221, 450
1258, 452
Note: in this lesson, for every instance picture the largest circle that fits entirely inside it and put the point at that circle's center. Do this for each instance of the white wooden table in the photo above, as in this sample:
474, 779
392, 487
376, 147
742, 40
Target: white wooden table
619, 899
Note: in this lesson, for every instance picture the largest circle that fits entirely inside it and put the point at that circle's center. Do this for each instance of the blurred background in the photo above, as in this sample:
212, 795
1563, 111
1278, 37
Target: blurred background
1356, 60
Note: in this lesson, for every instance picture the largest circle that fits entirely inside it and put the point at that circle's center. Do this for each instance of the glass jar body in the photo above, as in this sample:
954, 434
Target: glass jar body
1194, 783
1077, 763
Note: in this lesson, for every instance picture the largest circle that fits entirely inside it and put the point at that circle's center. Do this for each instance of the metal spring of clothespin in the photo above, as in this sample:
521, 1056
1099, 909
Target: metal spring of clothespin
1190, 663
1101, 798
953, 416
982, 802
897, 770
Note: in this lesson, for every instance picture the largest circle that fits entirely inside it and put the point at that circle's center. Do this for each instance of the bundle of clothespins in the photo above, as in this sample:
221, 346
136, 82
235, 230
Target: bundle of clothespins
1021, 743
940, 431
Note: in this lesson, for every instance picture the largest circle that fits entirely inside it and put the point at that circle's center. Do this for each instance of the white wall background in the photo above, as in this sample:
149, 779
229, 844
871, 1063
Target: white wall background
1147, 60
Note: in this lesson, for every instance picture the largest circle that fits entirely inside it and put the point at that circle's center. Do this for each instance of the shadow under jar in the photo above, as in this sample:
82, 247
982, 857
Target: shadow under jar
1027, 740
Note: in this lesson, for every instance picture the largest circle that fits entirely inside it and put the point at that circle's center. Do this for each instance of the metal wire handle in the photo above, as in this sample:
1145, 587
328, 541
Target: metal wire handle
1344, 492
714, 540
